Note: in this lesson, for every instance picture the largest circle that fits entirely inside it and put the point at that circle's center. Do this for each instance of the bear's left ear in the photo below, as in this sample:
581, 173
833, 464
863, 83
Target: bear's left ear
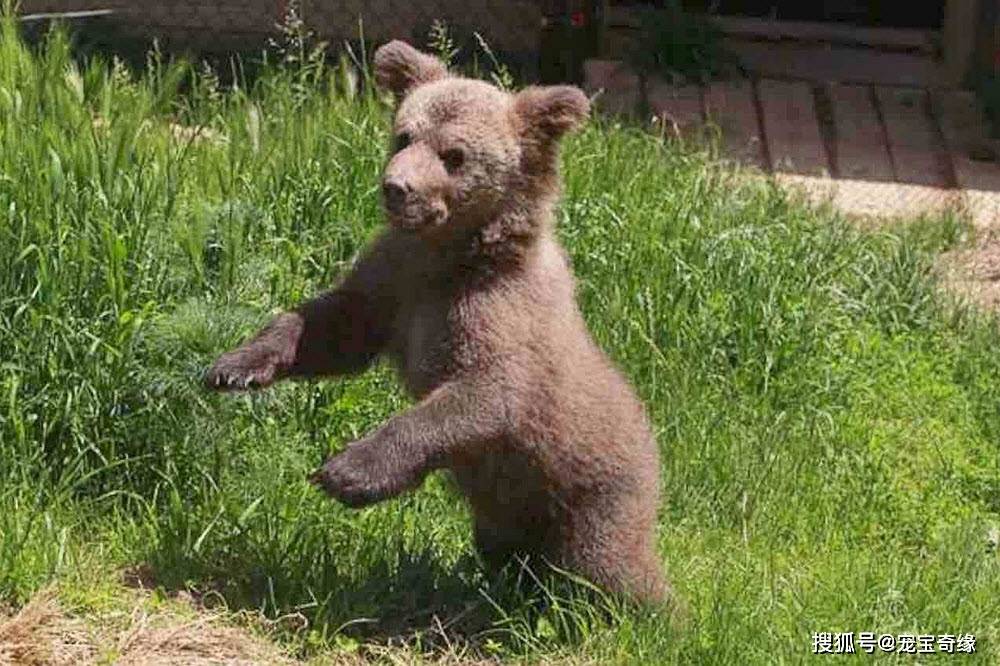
551, 111
400, 68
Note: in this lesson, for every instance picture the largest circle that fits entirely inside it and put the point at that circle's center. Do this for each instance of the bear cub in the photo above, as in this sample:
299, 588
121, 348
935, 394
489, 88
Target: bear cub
468, 292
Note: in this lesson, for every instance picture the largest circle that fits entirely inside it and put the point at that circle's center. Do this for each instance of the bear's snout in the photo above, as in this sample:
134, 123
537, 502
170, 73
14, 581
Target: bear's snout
395, 194
414, 188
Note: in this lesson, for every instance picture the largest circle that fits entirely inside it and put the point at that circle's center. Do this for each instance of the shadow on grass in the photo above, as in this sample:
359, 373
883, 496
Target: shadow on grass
413, 601
412, 598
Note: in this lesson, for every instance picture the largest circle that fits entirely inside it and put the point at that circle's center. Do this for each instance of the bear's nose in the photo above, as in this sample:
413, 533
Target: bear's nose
395, 194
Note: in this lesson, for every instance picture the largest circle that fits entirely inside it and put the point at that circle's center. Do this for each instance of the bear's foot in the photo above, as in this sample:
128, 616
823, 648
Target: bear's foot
249, 367
366, 473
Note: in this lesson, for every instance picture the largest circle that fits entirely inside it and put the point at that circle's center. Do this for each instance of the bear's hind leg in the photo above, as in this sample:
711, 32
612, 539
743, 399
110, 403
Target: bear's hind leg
617, 555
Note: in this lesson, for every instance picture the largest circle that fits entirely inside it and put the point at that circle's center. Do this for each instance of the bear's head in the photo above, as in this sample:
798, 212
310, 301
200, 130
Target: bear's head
464, 150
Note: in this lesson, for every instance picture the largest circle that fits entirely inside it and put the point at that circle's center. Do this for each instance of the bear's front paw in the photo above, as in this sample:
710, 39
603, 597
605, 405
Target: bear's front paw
245, 368
365, 473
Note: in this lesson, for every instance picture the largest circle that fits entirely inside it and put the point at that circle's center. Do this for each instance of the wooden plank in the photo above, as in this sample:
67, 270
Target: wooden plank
791, 129
902, 39
680, 108
966, 136
861, 149
917, 153
822, 62
752, 28
65, 16
961, 18
730, 106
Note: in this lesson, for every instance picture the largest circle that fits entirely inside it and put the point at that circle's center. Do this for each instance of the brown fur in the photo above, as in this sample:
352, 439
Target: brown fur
471, 296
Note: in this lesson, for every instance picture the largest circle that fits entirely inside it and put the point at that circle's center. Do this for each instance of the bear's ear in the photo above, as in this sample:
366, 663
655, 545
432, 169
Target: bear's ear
400, 68
551, 111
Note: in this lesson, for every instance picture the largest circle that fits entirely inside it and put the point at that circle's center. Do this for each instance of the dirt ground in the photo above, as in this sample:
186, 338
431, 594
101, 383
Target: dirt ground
973, 273
43, 633
145, 628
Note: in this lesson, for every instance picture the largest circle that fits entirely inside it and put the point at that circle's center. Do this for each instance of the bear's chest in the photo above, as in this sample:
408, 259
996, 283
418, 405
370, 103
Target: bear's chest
426, 344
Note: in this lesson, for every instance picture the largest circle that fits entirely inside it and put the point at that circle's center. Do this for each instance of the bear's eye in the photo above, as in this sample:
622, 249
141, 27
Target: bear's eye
453, 159
400, 142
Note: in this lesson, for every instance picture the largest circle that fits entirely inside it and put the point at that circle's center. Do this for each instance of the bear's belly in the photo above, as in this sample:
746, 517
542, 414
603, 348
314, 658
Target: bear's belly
509, 497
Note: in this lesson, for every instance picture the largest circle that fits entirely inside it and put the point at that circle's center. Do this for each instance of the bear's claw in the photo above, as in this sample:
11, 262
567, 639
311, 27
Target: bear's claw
241, 370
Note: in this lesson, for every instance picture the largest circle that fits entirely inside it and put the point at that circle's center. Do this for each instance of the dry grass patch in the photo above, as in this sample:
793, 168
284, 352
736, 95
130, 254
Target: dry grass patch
974, 272
148, 629
40, 633
43, 632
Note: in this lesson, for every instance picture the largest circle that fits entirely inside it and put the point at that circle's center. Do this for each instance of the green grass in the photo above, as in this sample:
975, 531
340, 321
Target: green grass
829, 423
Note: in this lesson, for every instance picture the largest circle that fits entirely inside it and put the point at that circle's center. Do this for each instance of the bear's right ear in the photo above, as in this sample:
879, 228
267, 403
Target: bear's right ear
548, 112
400, 68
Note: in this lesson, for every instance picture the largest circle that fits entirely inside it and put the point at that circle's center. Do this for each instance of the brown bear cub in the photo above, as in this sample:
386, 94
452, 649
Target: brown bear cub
471, 296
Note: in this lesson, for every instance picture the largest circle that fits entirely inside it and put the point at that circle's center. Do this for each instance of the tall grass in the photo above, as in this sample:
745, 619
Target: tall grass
829, 423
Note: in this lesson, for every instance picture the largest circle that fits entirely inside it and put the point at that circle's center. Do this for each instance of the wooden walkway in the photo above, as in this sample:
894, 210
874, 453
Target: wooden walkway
873, 149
